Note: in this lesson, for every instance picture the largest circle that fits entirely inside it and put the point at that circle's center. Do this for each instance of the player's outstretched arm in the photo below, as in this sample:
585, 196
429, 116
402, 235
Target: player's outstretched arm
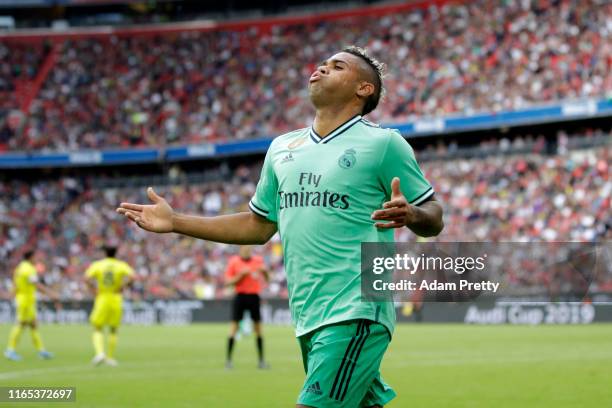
241, 228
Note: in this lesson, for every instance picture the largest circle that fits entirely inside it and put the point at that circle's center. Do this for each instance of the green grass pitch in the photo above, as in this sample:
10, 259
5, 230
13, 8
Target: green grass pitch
427, 365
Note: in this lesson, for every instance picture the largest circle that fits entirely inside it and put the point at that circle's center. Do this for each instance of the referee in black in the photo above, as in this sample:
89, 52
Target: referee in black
246, 272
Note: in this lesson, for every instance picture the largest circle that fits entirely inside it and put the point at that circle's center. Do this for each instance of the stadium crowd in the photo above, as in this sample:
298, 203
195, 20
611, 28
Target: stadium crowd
195, 87
526, 197
19, 64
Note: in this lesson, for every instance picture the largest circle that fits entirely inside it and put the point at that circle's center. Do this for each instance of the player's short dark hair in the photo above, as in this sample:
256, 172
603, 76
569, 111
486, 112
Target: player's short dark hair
110, 251
378, 68
28, 254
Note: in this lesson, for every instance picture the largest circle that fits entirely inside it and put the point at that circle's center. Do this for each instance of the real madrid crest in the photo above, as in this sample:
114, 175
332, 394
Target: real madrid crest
348, 159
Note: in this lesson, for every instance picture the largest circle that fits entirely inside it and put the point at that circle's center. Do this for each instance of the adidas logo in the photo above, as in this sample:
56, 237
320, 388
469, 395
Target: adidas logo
287, 158
314, 388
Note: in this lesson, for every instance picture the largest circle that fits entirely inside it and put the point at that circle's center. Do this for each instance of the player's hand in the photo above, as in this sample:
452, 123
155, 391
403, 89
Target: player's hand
155, 218
397, 212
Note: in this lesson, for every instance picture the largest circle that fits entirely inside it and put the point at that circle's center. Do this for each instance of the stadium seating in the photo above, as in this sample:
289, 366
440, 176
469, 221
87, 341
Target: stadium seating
507, 192
194, 87
19, 64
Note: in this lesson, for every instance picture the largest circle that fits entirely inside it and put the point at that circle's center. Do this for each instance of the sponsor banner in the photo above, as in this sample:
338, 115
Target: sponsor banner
85, 157
506, 312
433, 125
166, 312
533, 314
580, 108
205, 150
276, 311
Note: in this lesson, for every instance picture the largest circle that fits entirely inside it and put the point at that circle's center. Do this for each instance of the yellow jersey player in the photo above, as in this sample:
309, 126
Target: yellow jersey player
26, 283
110, 276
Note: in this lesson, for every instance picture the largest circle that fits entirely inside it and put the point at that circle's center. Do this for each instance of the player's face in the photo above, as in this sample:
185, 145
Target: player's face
335, 80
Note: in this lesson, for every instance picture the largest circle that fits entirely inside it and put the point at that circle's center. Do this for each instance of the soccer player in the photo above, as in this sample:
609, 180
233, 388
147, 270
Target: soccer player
26, 283
245, 272
326, 189
109, 276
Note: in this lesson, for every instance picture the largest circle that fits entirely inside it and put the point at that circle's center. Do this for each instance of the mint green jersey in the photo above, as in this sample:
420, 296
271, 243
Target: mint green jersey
321, 192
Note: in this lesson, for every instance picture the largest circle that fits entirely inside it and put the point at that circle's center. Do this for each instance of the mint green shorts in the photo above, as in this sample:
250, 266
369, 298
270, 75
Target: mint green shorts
342, 363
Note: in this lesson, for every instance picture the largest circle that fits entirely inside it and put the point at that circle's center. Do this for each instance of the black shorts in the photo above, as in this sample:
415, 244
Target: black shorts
243, 302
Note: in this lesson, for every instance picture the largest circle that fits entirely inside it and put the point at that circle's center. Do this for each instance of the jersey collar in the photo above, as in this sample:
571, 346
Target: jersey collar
338, 131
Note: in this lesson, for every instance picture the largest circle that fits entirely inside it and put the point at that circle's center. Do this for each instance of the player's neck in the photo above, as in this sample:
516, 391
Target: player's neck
329, 118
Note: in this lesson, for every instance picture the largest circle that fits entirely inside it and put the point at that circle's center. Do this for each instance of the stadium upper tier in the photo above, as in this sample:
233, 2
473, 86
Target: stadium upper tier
247, 81
531, 196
